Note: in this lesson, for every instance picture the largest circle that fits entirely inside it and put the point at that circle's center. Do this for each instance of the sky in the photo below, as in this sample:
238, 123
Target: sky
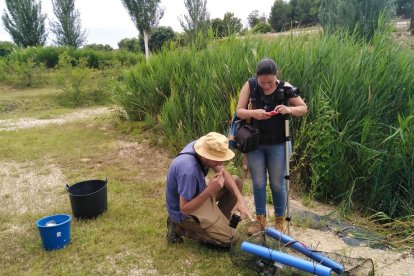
107, 21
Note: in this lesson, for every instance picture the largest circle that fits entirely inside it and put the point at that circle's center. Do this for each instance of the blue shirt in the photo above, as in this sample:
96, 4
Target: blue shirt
185, 178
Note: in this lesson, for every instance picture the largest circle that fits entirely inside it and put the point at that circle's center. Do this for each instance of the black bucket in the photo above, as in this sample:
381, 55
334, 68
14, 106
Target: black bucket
88, 198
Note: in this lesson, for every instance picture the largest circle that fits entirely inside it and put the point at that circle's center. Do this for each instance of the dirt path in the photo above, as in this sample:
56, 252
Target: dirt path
23, 123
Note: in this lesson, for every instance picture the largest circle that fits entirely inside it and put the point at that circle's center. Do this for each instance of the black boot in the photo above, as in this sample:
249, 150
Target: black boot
172, 234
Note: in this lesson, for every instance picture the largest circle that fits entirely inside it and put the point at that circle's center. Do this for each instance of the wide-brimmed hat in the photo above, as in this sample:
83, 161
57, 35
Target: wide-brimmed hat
214, 146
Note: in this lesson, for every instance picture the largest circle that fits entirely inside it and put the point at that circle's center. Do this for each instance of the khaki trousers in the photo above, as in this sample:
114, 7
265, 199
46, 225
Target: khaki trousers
210, 222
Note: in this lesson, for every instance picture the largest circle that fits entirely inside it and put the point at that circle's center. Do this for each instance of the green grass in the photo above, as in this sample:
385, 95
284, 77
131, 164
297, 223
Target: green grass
38, 103
127, 239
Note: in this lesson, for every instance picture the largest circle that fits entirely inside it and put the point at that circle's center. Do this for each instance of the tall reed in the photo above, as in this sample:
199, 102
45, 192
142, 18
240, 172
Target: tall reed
355, 145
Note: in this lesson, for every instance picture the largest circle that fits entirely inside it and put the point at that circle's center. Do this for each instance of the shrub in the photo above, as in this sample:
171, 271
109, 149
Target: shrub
261, 28
7, 48
80, 85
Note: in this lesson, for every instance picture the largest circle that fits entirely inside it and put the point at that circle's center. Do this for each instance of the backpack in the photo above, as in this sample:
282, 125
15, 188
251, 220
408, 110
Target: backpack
242, 135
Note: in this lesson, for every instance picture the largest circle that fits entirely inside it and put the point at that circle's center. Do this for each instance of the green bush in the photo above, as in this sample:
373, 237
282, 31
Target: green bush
49, 56
43, 56
261, 28
27, 74
81, 85
7, 48
36, 66
99, 47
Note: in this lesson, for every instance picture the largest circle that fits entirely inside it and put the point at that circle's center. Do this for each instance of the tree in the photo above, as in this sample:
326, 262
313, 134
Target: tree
412, 20
198, 18
25, 22
404, 8
227, 26
130, 44
254, 18
146, 15
218, 27
159, 37
67, 28
232, 24
302, 12
280, 15
314, 12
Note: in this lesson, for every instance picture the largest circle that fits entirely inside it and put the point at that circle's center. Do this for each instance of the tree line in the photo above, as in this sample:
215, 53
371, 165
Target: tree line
26, 23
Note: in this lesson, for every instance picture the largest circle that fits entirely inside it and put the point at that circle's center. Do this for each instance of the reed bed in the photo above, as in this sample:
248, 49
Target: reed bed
354, 148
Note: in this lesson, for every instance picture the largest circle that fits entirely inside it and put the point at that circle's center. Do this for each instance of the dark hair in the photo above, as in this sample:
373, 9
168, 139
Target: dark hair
266, 66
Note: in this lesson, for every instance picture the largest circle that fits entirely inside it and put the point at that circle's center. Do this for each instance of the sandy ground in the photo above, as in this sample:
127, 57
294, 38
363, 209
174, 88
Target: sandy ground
22, 123
43, 187
386, 261
46, 185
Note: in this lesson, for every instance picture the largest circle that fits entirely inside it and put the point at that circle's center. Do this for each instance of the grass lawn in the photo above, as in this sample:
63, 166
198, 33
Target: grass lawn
38, 103
128, 239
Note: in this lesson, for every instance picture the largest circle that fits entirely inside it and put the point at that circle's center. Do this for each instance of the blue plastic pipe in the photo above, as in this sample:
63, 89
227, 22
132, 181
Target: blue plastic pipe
286, 259
320, 258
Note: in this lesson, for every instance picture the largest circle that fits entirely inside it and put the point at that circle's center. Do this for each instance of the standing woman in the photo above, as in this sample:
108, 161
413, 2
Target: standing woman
268, 160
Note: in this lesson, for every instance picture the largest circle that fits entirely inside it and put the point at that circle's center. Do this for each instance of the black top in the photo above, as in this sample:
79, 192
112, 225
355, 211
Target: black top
272, 130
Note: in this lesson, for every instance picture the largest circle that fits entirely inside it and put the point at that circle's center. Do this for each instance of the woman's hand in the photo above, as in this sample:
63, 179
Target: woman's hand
261, 114
283, 109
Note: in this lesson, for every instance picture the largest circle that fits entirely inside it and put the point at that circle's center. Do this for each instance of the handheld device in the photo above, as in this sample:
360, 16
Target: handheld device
234, 221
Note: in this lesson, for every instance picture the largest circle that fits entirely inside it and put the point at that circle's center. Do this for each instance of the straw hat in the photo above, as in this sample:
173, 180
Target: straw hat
214, 146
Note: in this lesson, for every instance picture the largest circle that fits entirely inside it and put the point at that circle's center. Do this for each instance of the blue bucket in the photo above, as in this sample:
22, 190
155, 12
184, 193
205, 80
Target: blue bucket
54, 231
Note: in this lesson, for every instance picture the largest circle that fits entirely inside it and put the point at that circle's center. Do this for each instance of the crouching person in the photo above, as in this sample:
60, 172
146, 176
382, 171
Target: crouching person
200, 210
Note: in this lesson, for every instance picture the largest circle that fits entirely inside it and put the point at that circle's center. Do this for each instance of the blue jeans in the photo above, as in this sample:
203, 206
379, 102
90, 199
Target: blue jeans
269, 160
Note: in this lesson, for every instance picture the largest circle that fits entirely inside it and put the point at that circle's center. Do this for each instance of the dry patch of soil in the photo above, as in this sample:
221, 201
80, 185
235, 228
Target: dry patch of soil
147, 161
28, 188
23, 123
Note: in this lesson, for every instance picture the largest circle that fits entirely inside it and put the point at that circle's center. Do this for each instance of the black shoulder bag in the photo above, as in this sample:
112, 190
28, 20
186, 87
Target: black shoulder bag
247, 136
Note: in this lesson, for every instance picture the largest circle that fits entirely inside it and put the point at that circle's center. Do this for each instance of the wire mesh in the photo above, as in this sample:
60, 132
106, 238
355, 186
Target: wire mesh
261, 266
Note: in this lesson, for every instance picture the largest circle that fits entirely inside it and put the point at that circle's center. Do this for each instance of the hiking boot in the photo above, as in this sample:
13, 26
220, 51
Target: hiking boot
259, 225
173, 236
280, 223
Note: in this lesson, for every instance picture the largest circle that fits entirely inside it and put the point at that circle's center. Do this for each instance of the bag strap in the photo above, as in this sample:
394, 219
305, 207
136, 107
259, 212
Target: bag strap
252, 87
252, 92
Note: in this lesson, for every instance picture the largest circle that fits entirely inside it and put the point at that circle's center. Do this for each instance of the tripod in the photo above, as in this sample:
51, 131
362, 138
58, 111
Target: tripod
287, 175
